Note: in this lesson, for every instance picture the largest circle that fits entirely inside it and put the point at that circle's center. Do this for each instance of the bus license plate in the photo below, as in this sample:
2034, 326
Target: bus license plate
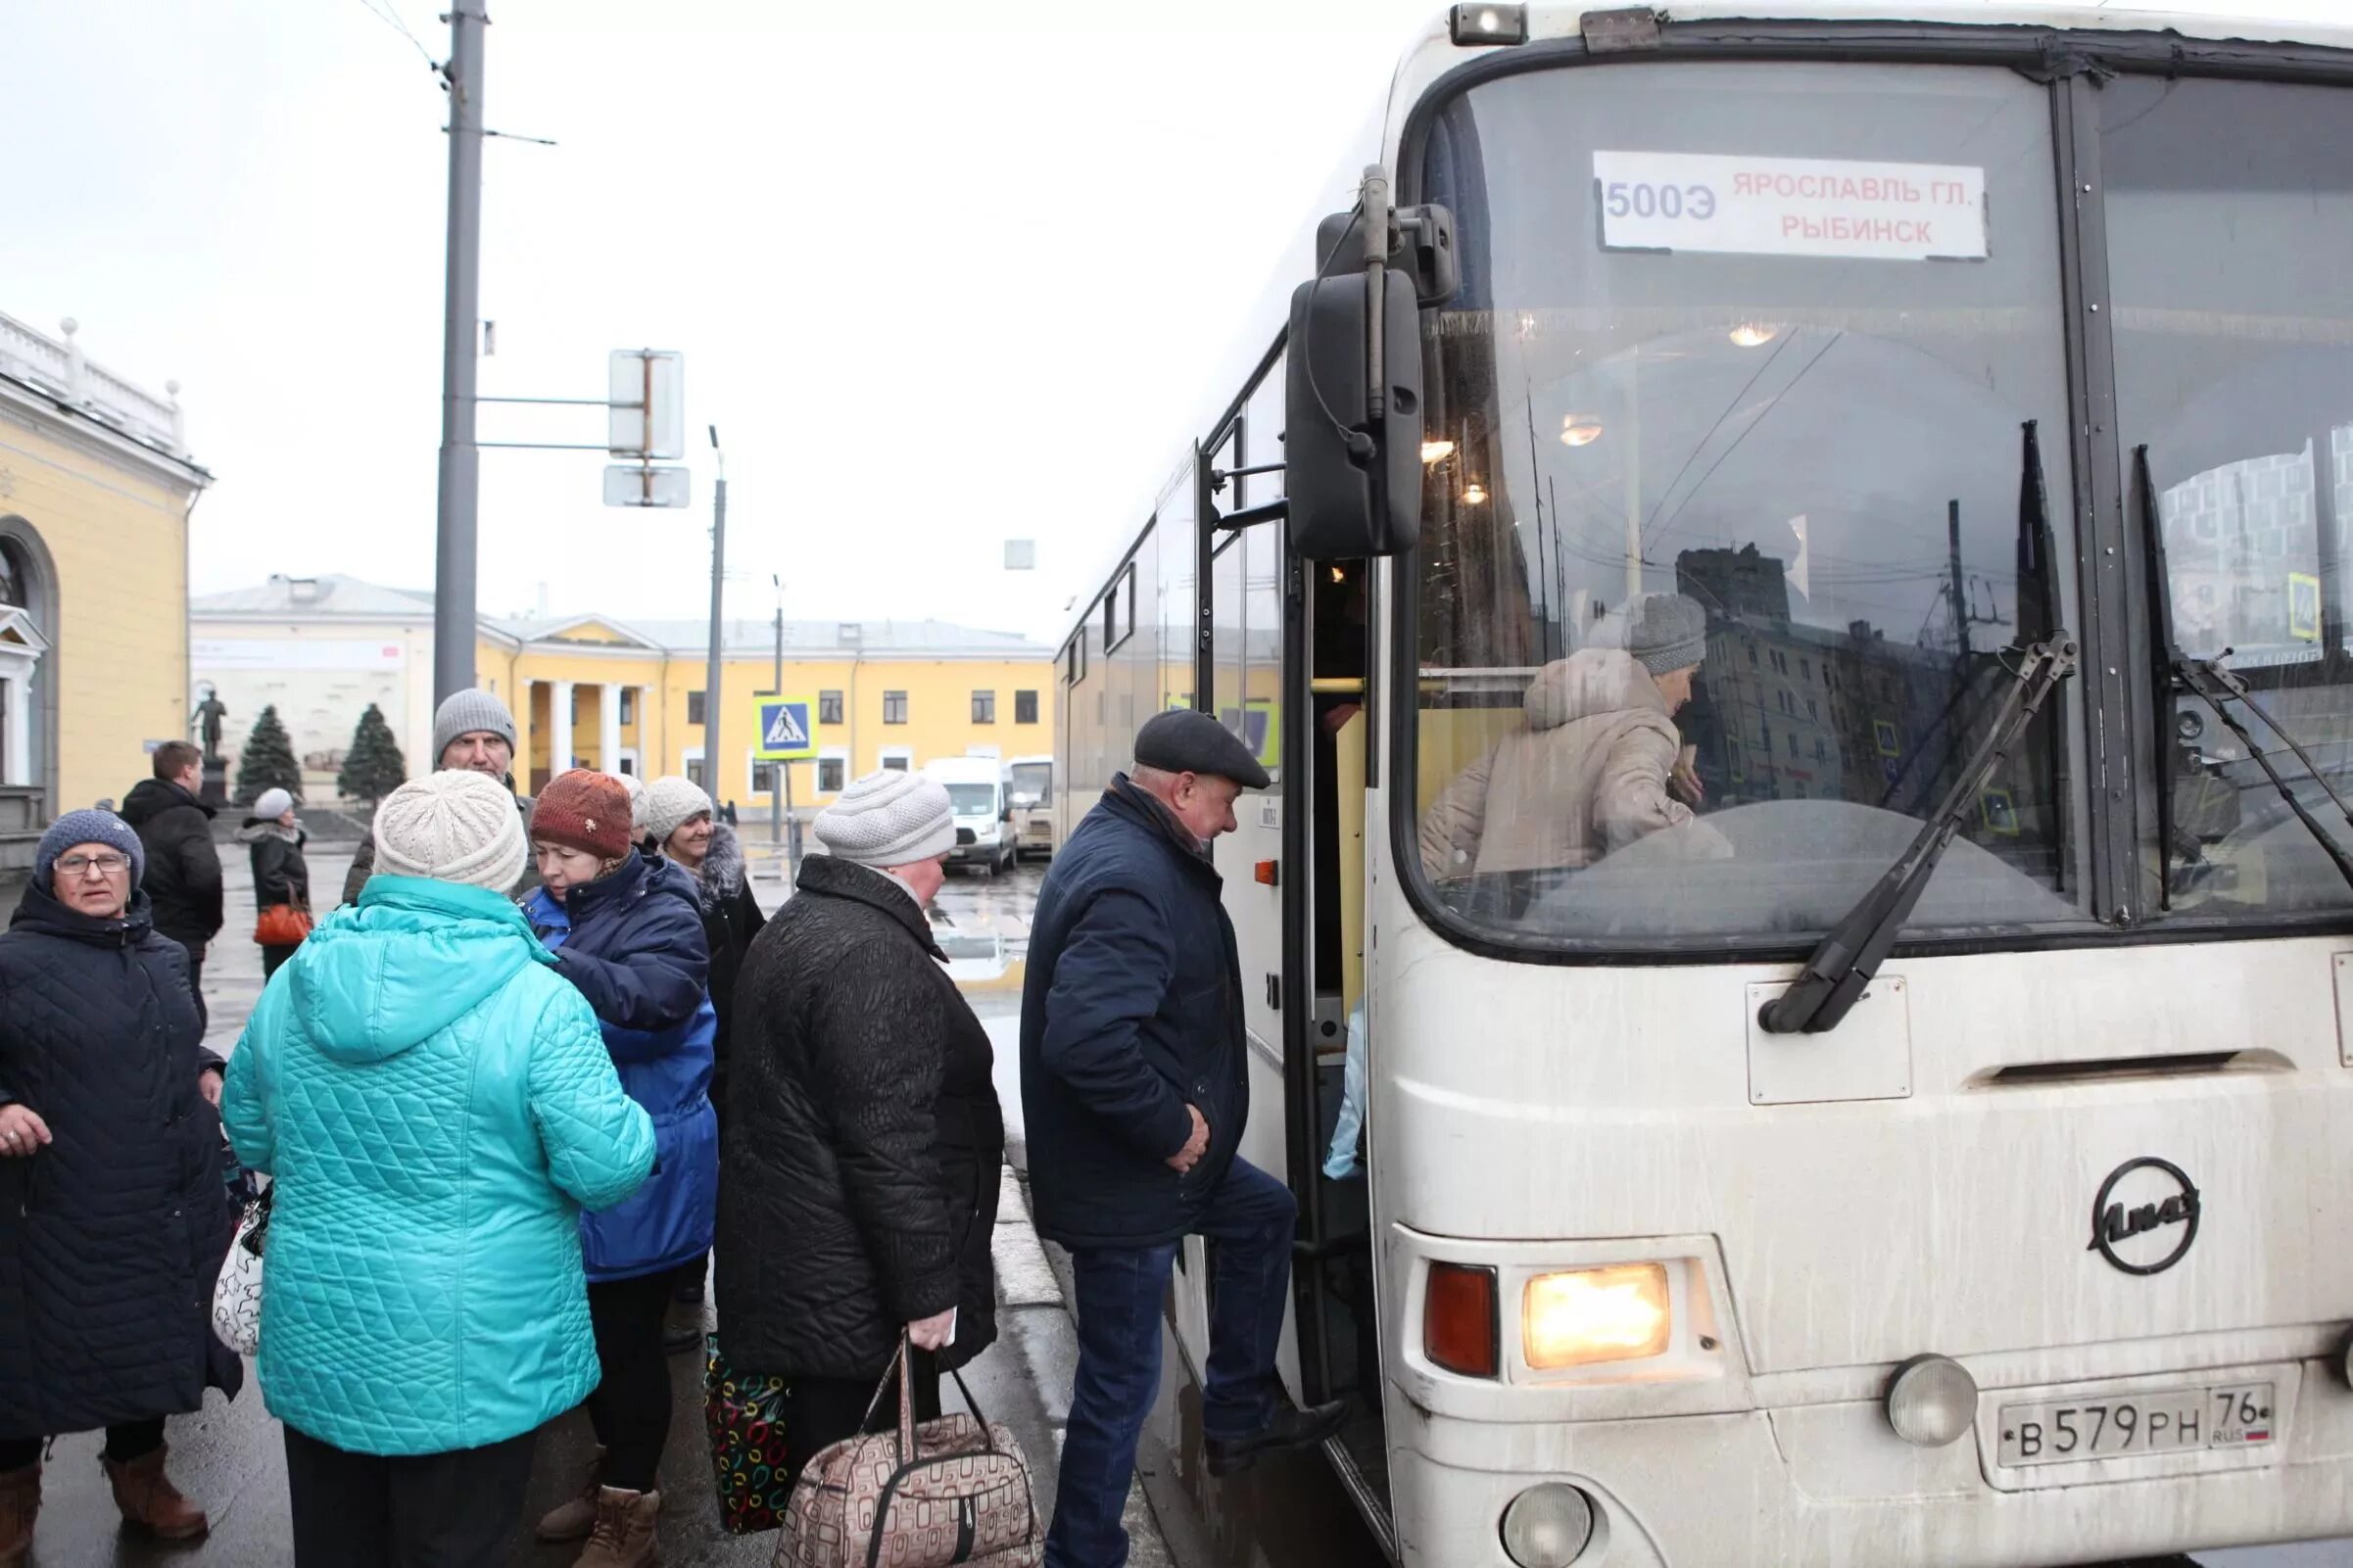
2234, 1415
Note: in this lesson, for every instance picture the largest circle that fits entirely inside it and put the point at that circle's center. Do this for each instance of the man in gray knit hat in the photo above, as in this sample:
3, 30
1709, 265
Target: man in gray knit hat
472, 732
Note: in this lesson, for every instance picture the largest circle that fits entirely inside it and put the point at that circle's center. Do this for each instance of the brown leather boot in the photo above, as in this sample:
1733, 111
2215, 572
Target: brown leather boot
149, 1499
19, 1505
574, 1517
624, 1535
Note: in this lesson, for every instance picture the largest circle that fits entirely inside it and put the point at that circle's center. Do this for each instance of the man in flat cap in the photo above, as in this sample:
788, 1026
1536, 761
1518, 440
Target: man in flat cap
1135, 1089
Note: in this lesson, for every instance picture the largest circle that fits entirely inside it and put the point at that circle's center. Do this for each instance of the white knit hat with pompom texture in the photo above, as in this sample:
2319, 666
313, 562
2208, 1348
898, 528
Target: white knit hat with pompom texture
456, 827
889, 819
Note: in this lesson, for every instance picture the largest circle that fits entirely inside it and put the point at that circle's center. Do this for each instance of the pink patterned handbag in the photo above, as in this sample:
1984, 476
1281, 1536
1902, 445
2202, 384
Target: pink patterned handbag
951, 1491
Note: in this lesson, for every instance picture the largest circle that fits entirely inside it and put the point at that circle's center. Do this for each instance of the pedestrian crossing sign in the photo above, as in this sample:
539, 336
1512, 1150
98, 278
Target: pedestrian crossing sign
782, 733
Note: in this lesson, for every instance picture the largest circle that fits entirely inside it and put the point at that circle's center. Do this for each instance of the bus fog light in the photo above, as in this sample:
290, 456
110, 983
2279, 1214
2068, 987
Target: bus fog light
1584, 1315
1932, 1401
1548, 1526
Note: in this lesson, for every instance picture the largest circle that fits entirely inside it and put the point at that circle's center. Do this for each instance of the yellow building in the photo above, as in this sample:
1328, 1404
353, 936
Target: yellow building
624, 696
95, 490
629, 695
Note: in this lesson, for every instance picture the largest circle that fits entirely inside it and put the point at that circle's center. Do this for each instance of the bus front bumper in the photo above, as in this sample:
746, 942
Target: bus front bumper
1823, 1483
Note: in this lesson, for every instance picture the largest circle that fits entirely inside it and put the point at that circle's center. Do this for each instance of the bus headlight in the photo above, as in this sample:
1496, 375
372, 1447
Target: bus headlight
1932, 1401
1583, 1316
1548, 1526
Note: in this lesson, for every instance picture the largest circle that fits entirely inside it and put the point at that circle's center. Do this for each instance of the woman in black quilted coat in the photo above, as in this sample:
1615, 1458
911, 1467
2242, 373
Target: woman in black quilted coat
113, 1215
858, 1190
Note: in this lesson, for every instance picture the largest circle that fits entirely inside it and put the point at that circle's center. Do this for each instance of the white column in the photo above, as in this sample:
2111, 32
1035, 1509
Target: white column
559, 727
519, 703
608, 727
20, 730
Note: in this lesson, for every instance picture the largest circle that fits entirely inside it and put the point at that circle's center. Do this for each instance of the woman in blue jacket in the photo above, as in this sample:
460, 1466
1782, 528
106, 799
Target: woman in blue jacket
628, 932
436, 1107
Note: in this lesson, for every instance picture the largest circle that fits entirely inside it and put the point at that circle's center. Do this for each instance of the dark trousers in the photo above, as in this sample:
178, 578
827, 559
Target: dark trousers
630, 1407
429, 1510
272, 957
819, 1412
1251, 1217
131, 1440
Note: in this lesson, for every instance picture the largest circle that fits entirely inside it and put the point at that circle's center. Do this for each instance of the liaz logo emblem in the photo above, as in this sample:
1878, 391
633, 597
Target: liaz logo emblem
2146, 1217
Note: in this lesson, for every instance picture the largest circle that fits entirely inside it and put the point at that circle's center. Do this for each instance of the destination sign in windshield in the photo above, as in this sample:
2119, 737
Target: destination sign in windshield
1790, 207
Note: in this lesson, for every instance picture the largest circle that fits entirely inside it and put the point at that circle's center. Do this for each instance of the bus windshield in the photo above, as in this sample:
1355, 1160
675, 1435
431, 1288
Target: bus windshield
1033, 783
1732, 525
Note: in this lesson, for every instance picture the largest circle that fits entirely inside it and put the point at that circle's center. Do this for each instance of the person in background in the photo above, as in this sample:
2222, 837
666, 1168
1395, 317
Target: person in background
437, 1106
862, 1176
274, 841
1135, 1087
1600, 766
637, 811
472, 732
628, 932
678, 824
182, 881
113, 1218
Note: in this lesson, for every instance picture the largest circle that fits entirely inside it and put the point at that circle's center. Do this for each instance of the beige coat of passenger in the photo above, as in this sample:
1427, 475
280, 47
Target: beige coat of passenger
1588, 777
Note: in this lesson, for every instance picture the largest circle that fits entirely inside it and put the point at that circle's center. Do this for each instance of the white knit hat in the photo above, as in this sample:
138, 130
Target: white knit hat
454, 828
889, 819
272, 803
670, 801
637, 802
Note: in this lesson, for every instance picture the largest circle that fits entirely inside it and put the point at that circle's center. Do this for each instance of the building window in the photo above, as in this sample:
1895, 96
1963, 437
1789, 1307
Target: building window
898, 759
829, 707
1751, 655
983, 707
1805, 669
695, 709
1025, 707
763, 778
829, 775
629, 704
895, 707
695, 772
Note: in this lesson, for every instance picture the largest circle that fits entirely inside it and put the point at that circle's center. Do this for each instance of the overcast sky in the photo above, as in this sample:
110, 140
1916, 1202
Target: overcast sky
938, 285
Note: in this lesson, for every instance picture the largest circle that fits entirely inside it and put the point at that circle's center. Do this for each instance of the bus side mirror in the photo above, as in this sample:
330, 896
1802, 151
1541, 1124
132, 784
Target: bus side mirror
1353, 477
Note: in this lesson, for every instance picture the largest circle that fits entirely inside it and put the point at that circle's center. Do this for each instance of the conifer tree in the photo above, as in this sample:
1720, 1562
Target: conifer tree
268, 760
373, 766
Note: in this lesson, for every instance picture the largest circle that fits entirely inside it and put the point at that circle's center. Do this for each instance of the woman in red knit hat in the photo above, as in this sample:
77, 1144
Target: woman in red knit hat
628, 932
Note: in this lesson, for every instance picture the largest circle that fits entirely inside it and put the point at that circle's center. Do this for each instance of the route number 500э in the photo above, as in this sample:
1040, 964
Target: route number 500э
1623, 199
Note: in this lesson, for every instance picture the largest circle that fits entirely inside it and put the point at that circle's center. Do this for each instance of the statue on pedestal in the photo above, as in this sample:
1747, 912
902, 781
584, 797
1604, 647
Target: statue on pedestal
205, 722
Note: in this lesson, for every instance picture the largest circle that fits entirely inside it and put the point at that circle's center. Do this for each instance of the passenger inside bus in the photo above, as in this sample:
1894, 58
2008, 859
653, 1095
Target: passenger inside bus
1600, 766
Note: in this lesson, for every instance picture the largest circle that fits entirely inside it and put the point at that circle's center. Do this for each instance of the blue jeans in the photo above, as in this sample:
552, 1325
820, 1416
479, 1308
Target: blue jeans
1251, 1217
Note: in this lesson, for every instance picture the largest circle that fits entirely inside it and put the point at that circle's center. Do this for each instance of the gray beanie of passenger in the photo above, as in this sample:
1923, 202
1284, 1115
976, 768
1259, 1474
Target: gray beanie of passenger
463, 713
1666, 632
89, 827
889, 819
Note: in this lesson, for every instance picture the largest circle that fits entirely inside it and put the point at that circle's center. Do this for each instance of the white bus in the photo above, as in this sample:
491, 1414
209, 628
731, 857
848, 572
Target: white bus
1950, 365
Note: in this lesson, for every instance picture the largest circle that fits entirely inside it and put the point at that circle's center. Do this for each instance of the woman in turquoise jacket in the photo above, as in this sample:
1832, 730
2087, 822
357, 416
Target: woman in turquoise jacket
437, 1106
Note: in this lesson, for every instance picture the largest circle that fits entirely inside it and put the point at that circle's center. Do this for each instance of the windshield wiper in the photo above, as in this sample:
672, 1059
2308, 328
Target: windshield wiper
1840, 970
2211, 684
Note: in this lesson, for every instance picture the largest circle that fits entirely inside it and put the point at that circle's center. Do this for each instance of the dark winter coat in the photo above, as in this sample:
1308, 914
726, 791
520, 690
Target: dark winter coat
280, 874
363, 860
731, 919
866, 1141
1132, 1009
183, 868
110, 1237
631, 942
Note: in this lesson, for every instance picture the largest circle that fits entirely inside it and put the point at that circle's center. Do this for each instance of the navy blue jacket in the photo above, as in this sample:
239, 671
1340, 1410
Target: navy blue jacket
632, 941
1132, 1009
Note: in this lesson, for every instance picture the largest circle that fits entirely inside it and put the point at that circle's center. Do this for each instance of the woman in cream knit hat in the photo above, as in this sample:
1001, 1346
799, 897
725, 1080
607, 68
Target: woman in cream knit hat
438, 1107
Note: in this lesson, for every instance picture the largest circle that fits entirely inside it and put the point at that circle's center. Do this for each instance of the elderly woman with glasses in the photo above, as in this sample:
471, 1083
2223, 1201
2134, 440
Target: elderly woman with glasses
114, 1219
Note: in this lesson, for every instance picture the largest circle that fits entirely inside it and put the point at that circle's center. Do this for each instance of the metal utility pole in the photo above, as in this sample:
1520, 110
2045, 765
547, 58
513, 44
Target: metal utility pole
1960, 599
711, 690
461, 462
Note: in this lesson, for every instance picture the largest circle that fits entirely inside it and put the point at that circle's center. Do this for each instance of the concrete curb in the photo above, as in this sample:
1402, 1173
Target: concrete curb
1033, 1311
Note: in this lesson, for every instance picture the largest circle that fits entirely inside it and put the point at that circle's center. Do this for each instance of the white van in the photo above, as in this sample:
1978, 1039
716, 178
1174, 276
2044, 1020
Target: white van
976, 789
